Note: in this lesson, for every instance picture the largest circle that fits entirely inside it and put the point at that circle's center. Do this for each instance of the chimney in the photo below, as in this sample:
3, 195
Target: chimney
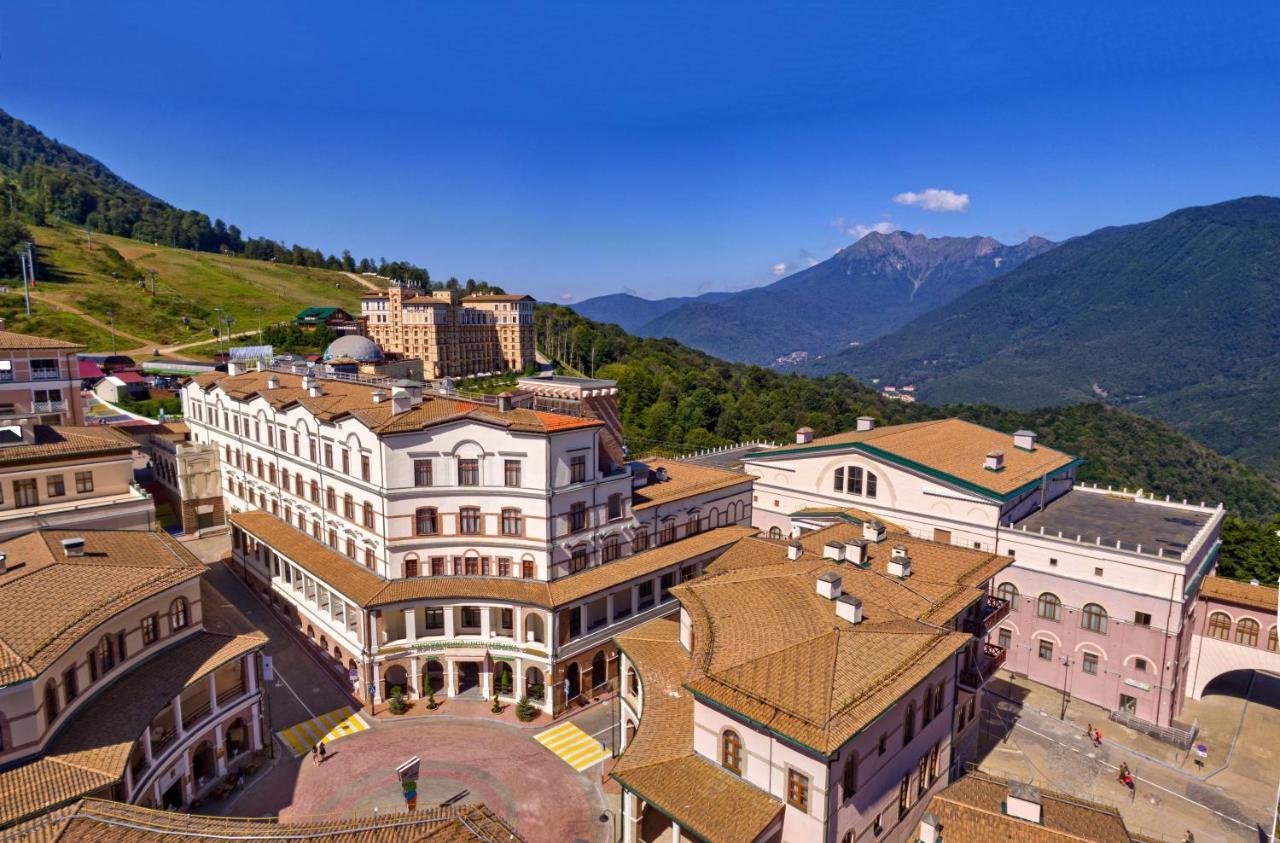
660, 474
401, 401
504, 402
873, 531
855, 551
378, 396
308, 380
315, 390
3, 558
930, 829
73, 547
260, 366
804, 436
273, 382
994, 461
794, 549
849, 608
833, 550
900, 562
1025, 440
234, 367
866, 423
829, 586
1024, 802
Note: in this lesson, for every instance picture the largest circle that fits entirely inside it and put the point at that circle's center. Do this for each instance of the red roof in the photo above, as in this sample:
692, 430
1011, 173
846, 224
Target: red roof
89, 369
131, 377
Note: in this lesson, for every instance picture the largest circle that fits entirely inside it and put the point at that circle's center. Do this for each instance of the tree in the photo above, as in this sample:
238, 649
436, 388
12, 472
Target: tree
397, 704
348, 262
13, 237
525, 710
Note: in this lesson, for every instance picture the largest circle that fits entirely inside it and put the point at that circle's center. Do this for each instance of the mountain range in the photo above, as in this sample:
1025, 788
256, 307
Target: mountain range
1177, 319
864, 291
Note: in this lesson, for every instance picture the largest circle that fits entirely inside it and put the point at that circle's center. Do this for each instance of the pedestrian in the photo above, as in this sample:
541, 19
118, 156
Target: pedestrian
1088, 733
315, 755
323, 751
1122, 772
1097, 737
1188, 837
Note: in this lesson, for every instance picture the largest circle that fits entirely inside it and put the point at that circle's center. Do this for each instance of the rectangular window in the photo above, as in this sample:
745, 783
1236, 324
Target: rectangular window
839, 484
470, 616
854, 484
904, 794
364, 467
1089, 664
367, 514
1140, 665
426, 522
150, 625
433, 619
348, 507
311, 448
328, 455
24, 493
369, 560
578, 560
422, 472
577, 517
1141, 619
331, 499
504, 567
871, 485
511, 473
1005, 638
577, 468
351, 547
333, 538
54, 487
667, 582
411, 567
468, 472
615, 507
640, 541
645, 593
469, 521
1046, 650
798, 790
512, 522
346, 462
69, 685
528, 569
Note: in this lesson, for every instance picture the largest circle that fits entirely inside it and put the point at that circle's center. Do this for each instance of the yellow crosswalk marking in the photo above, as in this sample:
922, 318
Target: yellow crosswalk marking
325, 728
573, 746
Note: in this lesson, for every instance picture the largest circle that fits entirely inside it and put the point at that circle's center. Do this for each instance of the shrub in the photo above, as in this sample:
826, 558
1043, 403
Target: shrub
525, 710
397, 703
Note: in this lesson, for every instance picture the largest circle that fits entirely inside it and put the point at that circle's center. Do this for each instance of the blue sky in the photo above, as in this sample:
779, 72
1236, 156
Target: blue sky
571, 150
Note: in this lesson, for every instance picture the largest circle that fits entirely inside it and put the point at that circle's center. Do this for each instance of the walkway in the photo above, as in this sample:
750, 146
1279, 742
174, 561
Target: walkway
360, 279
325, 729
573, 746
92, 320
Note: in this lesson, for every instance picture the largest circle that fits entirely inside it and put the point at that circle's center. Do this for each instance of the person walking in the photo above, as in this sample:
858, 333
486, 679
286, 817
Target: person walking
1122, 773
1088, 732
1097, 738
1188, 837
323, 752
315, 755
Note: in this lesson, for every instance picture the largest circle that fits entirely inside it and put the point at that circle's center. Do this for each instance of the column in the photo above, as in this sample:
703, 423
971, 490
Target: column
518, 688
251, 663
486, 675
146, 745
128, 781
377, 683
630, 817
448, 623
635, 600
219, 751
675, 832
410, 625
177, 715
450, 687
413, 677
213, 695
608, 609
517, 623
255, 733
486, 621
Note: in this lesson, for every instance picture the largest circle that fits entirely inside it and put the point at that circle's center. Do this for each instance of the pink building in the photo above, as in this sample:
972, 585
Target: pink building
1233, 629
40, 378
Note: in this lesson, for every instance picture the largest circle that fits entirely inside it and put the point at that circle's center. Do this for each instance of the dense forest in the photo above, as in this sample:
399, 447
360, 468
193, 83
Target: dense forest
675, 399
45, 182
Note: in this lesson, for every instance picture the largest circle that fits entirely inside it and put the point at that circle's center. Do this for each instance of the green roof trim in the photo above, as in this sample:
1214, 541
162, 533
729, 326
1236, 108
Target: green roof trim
317, 314
824, 513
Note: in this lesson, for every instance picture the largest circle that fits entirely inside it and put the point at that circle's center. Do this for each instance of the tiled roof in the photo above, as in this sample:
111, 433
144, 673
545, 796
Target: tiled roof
341, 399
1265, 597
953, 448
683, 480
759, 625
48, 601
484, 297
65, 441
92, 751
971, 810
851, 514
659, 763
11, 341
366, 588
93, 820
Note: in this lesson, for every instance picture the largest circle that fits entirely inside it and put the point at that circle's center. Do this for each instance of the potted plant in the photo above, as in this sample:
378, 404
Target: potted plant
525, 710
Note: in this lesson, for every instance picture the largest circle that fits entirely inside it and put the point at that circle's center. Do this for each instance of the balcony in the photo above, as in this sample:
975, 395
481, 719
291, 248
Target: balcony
990, 611
46, 375
48, 406
974, 675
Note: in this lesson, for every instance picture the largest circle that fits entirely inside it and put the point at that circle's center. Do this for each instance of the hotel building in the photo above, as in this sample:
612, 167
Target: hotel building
123, 674
423, 540
62, 476
483, 333
40, 379
820, 689
1103, 587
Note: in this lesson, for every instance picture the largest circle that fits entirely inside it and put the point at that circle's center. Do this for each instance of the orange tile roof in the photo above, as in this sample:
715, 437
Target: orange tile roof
971, 810
54, 442
48, 601
94, 820
1264, 597
341, 399
13, 341
659, 764
683, 480
953, 448
91, 752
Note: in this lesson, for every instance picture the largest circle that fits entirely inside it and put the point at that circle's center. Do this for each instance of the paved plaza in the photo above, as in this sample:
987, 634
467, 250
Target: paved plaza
1229, 797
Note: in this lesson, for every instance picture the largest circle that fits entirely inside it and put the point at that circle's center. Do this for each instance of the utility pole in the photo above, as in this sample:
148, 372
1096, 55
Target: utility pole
111, 316
153, 282
23, 257
258, 311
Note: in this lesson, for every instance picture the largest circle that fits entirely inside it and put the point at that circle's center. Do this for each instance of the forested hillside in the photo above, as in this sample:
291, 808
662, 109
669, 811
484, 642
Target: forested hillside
675, 399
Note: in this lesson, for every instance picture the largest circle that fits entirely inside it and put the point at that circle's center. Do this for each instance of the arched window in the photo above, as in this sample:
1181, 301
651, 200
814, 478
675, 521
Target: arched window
850, 776
871, 485
1247, 632
1008, 591
1049, 607
938, 698
909, 723
106, 654
775, 532
1094, 618
50, 703
1271, 640
179, 615
633, 682
731, 751
1220, 626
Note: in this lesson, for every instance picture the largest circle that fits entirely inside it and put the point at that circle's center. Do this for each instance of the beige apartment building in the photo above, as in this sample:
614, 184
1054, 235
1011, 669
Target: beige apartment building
40, 378
481, 334
64, 476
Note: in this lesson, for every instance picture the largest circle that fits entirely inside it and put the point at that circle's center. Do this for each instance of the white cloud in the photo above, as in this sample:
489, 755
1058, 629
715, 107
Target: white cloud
935, 199
809, 260
566, 297
860, 230
778, 270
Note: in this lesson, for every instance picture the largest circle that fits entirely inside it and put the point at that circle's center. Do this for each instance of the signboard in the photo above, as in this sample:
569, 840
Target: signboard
353, 675
268, 669
408, 775
1145, 686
